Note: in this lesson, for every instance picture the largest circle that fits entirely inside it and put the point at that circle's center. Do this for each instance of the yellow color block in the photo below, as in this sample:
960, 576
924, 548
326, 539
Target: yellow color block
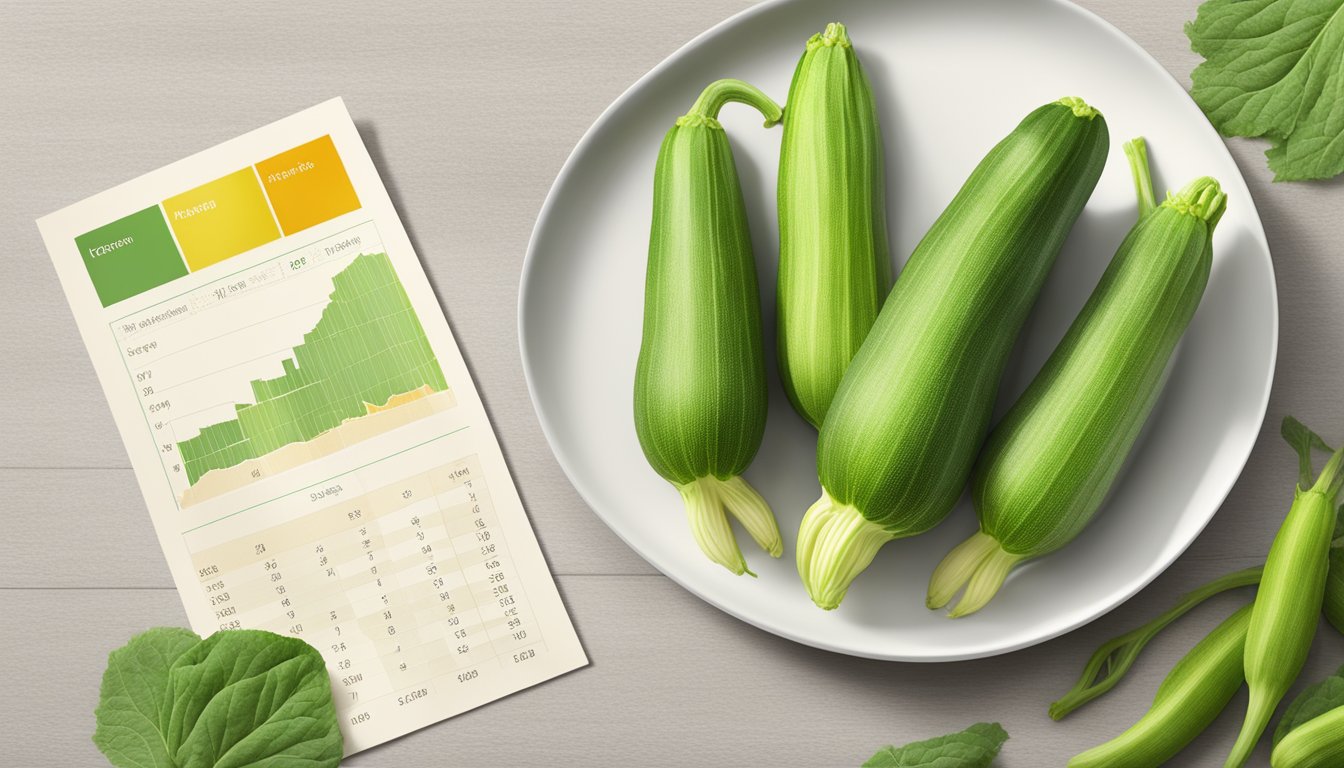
221, 219
307, 185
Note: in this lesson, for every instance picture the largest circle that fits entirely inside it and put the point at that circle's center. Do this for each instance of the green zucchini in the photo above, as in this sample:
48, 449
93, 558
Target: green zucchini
913, 409
1190, 698
1050, 463
1317, 743
700, 391
834, 265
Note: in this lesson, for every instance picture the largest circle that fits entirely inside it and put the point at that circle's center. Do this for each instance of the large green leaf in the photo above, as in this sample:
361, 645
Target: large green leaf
1333, 604
1275, 68
252, 698
239, 698
133, 701
975, 747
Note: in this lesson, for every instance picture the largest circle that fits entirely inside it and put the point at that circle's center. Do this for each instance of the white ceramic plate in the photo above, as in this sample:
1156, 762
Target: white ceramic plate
951, 79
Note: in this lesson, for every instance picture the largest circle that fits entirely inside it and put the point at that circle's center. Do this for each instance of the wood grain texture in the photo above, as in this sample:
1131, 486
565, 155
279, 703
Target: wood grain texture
469, 111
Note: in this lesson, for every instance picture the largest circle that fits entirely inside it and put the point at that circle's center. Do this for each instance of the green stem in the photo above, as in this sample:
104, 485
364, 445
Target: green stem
1114, 658
1331, 478
1202, 198
834, 34
1136, 149
1080, 108
720, 92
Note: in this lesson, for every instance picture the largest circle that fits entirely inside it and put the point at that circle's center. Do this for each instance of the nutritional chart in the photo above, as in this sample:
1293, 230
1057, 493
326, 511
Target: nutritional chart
280, 364
312, 449
406, 587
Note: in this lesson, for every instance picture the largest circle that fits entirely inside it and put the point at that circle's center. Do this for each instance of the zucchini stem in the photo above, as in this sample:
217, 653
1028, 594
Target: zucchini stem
1136, 149
835, 34
1202, 198
1080, 108
710, 500
835, 543
721, 92
1114, 658
1331, 478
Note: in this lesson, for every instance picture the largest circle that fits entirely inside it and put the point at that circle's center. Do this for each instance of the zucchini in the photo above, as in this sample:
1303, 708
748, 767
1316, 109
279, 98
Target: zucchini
913, 409
834, 265
1050, 463
700, 391
1190, 698
1317, 743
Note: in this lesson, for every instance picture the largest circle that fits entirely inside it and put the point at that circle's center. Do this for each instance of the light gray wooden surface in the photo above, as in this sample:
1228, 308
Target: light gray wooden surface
469, 109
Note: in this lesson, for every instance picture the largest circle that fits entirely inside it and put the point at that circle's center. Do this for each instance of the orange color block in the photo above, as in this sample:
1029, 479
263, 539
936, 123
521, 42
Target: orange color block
307, 185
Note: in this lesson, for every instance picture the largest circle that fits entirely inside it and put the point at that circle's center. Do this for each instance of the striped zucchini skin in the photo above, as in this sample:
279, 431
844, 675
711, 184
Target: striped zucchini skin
1049, 464
700, 389
1051, 461
1288, 604
913, 409
1317, 743
834, 263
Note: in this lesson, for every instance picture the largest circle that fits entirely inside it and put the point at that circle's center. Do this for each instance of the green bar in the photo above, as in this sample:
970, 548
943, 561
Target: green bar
367, 347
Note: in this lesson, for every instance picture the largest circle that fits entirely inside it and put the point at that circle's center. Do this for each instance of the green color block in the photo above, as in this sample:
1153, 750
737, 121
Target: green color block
367, 347
130, 255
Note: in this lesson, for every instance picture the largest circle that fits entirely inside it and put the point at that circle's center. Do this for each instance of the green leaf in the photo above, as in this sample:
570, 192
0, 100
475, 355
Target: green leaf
133, 701
247, 697
1316, 700
1273, 68
1332, 604
975, 747
239, 698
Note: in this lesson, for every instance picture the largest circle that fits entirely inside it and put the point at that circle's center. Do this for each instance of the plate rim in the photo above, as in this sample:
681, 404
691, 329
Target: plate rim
1104, 605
